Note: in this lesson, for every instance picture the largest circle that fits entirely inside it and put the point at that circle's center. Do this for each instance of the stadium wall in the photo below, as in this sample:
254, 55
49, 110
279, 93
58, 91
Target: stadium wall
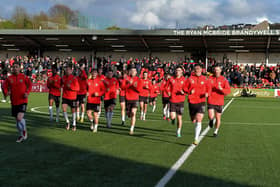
9, 54
241, 58
245, 58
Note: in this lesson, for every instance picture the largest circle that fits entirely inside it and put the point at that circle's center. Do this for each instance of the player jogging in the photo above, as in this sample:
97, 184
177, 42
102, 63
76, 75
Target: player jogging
177, 95
122, 82
144, 95
196, 87
69, 96
133, 87
165, 97
218, 88
54, 86
18, 86
111, 91
95, 89
154, 91
81, 95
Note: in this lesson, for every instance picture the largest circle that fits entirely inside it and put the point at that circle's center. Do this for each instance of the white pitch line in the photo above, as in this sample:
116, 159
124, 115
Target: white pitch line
166, 178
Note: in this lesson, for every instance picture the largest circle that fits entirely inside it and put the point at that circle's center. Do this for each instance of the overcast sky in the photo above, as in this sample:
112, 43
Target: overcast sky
143, 14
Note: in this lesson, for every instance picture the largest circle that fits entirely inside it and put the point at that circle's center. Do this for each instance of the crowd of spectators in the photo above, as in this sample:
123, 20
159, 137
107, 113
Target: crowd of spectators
242, 75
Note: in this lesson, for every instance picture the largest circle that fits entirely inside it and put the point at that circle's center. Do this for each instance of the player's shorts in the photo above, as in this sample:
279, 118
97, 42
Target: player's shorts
143, 99
18, 109
93, 107
130, 104
122, 99
217, 108
165, 100
109, 102
152, 99
71, 103
177, 107
196, 108
55, 98
81, 99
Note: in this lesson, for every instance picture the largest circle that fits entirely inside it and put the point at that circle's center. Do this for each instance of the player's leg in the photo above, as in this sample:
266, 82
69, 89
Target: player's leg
106, 106
128, 109
110, 112
173, 113
145, 109
83, 112
218, 115
90, 117
78, 110
133, 119
96, 119
123, 112
64, 109
154, 104
21, 125
211, 116
179, 125
100, 106
164, 108
57, 103
73, 110
51, 100
198, 126
141, 109
168, 111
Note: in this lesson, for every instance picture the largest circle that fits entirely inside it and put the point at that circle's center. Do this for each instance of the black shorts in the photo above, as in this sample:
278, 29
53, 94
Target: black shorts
165, 100
130, 104
71, 103
217, 108
81, 99
177, 107
152, 99
93, 107
122, 99
55, 98
109, 102
196, 108
18, 109
143, 99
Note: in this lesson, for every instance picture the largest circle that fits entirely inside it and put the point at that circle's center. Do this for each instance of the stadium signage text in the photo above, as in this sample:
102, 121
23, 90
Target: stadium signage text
226, 32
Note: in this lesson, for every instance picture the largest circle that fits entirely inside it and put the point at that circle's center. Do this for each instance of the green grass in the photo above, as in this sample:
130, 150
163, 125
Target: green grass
245, 154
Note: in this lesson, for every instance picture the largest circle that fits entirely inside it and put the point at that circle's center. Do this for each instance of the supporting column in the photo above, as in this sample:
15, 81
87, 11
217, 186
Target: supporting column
267, 57
206, 60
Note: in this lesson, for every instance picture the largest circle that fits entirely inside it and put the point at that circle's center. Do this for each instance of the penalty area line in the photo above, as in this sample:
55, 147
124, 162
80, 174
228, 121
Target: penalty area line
171, 172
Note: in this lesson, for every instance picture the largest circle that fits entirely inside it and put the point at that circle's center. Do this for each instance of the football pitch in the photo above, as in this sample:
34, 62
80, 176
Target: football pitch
246, 152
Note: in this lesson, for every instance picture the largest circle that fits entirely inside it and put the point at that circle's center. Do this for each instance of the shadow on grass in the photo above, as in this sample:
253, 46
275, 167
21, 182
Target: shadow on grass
42, 162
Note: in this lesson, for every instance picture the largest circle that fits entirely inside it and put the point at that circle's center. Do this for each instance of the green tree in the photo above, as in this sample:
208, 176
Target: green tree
114, 28
21, 19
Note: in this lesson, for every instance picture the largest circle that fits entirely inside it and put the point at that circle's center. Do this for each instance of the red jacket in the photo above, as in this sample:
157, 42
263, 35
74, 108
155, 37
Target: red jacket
122, 87
17, 85
164, 89
101, 77
216, 96
70, 87
199, 86
54, 85
112, 86
95, 86
176, 86
146, 86
133, 89
154, 91
82, 79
